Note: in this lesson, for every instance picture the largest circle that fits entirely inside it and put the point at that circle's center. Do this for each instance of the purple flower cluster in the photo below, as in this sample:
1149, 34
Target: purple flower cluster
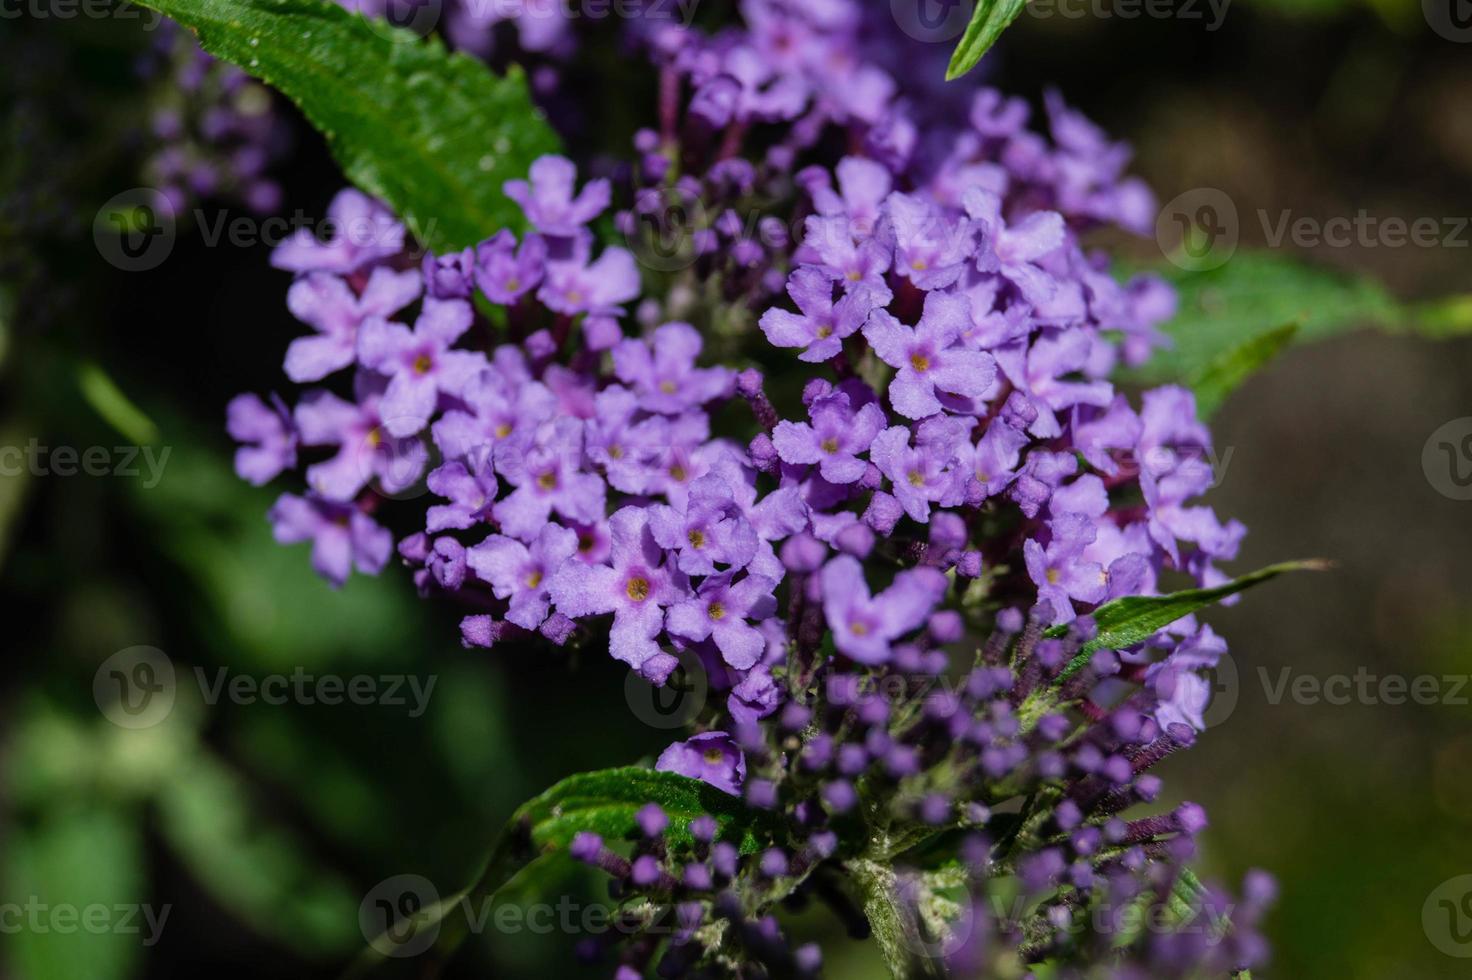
942, 465
902, 753
214, 132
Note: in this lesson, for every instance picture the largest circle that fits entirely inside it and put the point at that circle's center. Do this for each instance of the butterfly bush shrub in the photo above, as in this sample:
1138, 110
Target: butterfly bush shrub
813, 394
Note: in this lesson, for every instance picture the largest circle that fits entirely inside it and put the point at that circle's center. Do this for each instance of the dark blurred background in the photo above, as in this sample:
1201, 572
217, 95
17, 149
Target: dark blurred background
262, 827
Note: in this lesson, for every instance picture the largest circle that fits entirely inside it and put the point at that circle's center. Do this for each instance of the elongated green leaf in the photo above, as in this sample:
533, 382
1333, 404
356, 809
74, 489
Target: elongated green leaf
1134, 619
988, 21
1251, 297
433, 134
1229, 369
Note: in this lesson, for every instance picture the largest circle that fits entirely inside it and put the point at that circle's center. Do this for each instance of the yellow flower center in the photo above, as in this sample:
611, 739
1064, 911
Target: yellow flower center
829, 445
637, 588
920, 362
422, 364
717, 611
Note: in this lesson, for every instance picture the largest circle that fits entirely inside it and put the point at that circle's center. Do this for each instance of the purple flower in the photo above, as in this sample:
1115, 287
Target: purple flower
363, 232
419, 363
625, 447
504, 272
823, 324
925, 358
549, 202
832, 246
930, 247
505, 405
523, 574
864, 626
663, 374
1013, 252
720, 610
862, 187
636, 588
548, 477
366, 450
925, 474
342, 536
470, 495
711, 758
835, 439
326, 302
709, 529
578, 285
270, 436
1060, 571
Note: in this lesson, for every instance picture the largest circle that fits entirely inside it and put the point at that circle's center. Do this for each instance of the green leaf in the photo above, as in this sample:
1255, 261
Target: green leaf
82, 858
1228, 370
1134, 619
1248, 300
988, 21
433, 134
115, 408
262, 872
605, 803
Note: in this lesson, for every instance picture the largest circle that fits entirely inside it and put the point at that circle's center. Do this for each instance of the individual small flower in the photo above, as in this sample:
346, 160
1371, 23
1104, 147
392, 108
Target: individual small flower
270, 436
327, 303
419, 363
930, 247
864, 626
927, 362
523, 574
583, 285
505, 272
662, 371
362, 232
549, 201
708, 529
342, 536
1060, 571
862, 187
835, 439
1013, 251
365, 451
470, 495
712, 758
926, 473
548, 476
720, 611
822, 325
636, 588
621, 442
501, 405
835, 249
